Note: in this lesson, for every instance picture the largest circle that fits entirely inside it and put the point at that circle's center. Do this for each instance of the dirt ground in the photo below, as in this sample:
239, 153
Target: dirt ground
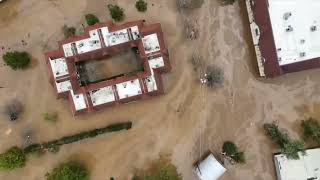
127, 61
186, 122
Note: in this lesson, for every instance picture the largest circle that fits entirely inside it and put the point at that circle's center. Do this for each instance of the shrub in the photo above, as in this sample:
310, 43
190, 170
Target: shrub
228, 2
162, 169
91, 19
13, 110
311, 129
13, 158
141, 6
213, 77
289, 147
116, 12
68, 31
34, 148
69, 171
53, 117
231, 150
189, 4
16, 60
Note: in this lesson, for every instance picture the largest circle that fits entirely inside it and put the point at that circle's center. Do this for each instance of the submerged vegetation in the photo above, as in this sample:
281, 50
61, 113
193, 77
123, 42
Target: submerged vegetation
288, 146
116, 12
12, 159
17, 60
232, 151
69, 171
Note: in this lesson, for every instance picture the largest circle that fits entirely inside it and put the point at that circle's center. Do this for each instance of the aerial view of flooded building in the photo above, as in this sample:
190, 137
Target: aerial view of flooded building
286, 35
109, 65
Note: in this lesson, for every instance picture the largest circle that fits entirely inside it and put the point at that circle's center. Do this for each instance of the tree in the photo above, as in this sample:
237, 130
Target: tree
288, 146
213, 77
231, 150
13, 110
141, 6
116, 12
12, 158
91, 19
17, 60
311, 129
68, 31
189, 4
69, 171
162, 169
228, 2
50, 117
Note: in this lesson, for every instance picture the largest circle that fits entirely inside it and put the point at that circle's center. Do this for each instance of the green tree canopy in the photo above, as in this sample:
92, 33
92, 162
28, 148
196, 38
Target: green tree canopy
69, 171
162, 169
13, 158
312, 129
116, 12
289, 147
141, 5
232, 151
16, 59
91, 19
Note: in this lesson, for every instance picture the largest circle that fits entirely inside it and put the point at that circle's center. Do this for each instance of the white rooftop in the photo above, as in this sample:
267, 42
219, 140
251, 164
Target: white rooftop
102, 96
117, 37
306, 168
209, 169
296, 29
79, 101
59, 67
151, 43
63, 86
129, 89
150, 81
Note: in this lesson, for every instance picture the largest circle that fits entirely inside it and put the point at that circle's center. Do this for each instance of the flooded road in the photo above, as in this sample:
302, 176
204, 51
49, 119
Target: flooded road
186, 122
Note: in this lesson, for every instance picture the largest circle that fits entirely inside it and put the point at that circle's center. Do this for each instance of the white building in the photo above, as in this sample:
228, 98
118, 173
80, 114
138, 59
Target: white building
209, 169
306, 168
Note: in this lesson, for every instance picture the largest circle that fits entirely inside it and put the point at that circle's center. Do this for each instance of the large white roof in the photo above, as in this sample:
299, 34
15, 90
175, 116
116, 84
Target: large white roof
129, 89
296, 29
307, 167
59, 67
209, 169
102, 96
151, 43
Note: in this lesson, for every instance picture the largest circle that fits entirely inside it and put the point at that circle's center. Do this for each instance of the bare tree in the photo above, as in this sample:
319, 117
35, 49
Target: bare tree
189, 4
13, 110
191, 30
213, 77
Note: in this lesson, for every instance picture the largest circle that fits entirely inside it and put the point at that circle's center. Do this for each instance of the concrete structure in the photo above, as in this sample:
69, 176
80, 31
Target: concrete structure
104, 40
209, 168
285, 35
306, 168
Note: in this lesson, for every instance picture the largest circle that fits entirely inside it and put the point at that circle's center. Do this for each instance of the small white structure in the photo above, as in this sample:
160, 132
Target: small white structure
209, 169
306, 168
151, 43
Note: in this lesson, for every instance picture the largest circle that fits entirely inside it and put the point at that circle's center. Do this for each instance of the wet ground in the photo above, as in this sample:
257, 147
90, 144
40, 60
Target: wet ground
186, 122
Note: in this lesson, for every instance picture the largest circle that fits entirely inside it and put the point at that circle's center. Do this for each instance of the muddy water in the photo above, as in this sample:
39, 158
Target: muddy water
186, 122
8, 11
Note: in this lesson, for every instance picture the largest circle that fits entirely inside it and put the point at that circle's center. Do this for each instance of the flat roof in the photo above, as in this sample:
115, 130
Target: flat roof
296, 29
59, 67
129, 89
306, 168
285, 34
102, 96
102, 40
209, 169
151, 43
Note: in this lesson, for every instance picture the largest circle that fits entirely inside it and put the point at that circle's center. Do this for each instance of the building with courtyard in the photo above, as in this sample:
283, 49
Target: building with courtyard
286, 35
109, 65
